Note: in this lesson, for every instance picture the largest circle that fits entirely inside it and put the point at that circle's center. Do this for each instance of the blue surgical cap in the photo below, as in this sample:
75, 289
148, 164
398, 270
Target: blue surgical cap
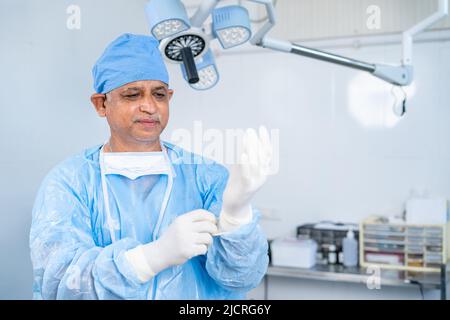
127, 59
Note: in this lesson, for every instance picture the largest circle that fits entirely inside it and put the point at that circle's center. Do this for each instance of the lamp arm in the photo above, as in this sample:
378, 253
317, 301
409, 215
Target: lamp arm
202, 13
401, 75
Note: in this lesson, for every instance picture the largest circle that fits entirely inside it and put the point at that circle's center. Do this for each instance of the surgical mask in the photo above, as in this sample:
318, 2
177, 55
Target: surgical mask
134, 165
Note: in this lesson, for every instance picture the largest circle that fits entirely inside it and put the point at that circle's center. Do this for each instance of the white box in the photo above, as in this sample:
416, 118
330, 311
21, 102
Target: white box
426, 211
292, 252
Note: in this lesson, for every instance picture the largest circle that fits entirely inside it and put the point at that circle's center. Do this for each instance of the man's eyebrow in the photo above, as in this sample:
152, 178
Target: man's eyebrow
133, 89
159, 88
142, 88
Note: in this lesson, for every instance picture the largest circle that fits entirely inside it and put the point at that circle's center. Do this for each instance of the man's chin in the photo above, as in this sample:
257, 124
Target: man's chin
147, 135
148, 138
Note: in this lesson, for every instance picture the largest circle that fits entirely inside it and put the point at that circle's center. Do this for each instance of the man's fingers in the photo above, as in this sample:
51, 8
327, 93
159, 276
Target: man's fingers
200, 249
265, 144
253, 145
200, 215
265, 151
265, 161
205, 226
245, 166
256, 158
245, 142
204, 238
264, 135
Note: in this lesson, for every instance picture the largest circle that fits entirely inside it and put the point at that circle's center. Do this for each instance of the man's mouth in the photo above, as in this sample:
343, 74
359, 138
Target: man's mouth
148, 123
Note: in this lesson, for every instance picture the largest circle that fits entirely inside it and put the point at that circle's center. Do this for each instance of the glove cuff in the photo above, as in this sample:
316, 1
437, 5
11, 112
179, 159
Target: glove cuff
229, 222
137, 258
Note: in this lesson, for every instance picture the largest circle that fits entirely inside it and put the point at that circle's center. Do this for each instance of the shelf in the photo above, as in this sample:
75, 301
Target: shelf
338, 273
420, 245
384, 241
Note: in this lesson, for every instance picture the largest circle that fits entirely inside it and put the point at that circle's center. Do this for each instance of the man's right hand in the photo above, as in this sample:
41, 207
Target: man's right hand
188, 236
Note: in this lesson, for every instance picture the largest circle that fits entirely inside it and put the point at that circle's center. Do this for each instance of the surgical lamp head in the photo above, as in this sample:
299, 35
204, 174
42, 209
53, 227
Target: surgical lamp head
207, 71
166, 18
189, 46
231, 26
185, 48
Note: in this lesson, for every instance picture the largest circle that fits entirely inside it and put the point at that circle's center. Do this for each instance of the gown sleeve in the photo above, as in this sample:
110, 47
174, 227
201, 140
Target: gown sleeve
67, 264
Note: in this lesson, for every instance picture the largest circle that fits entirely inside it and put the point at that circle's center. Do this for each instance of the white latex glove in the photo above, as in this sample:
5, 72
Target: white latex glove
188, 236
245, 179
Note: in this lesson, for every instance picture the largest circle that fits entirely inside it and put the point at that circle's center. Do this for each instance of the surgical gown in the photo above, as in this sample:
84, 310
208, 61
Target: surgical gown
74, 258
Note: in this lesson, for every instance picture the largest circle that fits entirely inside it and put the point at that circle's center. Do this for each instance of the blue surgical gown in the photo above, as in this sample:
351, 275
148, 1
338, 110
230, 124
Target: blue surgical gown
74, 258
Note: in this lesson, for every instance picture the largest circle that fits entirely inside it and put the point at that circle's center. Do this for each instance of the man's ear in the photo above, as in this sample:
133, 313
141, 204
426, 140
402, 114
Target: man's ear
98, 100
170, 93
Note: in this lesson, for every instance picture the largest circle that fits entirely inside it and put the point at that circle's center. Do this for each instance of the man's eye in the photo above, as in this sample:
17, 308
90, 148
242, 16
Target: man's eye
160, 95
132, 95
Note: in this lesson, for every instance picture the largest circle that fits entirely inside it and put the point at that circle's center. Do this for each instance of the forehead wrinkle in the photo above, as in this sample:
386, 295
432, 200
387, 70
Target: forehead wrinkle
143, 88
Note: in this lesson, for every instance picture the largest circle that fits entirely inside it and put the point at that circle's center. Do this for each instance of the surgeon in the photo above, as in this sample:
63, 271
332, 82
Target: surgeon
139, 218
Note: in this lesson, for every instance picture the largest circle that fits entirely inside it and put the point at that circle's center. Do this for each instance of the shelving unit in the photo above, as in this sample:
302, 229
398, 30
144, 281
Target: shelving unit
423, 248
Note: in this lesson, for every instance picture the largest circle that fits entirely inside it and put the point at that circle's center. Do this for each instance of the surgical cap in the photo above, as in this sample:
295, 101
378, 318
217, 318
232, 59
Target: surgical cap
127, 59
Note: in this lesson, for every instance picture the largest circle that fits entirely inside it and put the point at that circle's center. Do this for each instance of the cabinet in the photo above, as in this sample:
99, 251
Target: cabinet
403, 246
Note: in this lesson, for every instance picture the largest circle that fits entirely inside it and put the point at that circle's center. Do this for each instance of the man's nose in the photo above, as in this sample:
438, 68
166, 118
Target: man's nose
148, 105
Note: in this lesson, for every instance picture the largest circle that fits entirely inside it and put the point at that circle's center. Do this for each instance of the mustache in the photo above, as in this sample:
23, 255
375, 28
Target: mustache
156, 118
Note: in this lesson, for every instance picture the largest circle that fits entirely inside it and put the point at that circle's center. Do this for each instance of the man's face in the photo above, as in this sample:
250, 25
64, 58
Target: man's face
137, 112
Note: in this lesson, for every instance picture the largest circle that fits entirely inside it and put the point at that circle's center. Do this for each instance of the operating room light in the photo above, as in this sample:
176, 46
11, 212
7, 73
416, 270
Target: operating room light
166, 18
232, 37
184, 41
168, 28
231, 25
174, 48
208, 76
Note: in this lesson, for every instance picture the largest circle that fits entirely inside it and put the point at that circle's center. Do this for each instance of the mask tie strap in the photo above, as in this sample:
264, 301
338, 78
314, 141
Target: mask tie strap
109, 220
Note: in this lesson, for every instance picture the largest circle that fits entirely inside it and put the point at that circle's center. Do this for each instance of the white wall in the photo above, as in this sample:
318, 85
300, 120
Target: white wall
315, 19
341, 157
343, 153
45, 112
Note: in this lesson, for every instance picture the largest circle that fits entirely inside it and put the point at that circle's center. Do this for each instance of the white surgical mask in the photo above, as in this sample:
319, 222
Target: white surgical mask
134, 165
